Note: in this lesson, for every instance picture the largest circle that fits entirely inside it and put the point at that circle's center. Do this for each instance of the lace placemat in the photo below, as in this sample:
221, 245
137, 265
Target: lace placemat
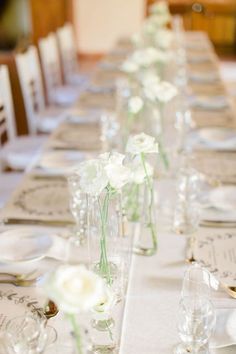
39, 200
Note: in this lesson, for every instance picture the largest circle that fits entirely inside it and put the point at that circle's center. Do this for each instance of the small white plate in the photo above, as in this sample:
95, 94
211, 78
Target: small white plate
23, 245
223, 198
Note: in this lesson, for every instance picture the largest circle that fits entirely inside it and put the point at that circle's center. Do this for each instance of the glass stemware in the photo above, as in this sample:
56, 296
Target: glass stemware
26, 335
78, 207
196, 321
196, 283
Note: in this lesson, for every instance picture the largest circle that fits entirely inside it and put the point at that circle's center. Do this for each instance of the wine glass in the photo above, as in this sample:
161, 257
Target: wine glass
196, 321
196, 282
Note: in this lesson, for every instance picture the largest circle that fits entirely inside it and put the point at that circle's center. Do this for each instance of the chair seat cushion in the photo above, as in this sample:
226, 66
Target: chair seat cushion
65, 95
20, 152
50, 118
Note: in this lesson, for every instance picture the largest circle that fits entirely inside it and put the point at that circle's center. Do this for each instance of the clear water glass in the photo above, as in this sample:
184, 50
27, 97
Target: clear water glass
26, 335
196, 322
187, 213
110, 131
78, 207
196, 282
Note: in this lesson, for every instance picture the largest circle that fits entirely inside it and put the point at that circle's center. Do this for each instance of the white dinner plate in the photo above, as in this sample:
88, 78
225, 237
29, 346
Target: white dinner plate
61, 160
23, 245
223, 198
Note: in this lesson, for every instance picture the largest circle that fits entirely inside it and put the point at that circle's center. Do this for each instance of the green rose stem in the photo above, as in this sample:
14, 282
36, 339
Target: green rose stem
150, 207
76, 330
161, 147
104, 267
132, 204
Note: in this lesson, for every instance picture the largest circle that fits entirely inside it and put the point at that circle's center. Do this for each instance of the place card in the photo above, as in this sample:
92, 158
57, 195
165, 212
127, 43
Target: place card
216, 250
39, 200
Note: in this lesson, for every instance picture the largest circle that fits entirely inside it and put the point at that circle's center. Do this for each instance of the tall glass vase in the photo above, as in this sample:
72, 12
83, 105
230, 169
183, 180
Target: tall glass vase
104, 231
147, 245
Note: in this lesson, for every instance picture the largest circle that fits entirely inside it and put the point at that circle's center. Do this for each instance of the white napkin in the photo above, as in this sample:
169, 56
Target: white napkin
225, 330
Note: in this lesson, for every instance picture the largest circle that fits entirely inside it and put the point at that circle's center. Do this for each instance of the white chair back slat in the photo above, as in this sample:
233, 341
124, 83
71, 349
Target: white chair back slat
50, 58
30, 77
7, 115
67, 45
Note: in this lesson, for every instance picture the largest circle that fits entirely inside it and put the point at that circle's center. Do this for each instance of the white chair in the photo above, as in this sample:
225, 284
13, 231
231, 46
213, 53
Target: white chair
8, 182
19, 151
57, 93
40, 117
69, 59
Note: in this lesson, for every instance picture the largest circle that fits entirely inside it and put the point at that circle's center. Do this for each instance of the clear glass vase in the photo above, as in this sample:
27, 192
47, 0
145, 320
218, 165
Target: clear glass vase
104, 231
147, 245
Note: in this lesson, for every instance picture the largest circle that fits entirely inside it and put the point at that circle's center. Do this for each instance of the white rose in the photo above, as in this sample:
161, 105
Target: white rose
161, 7
145, 57
74, 289
139, 173
141, 143
112, 157
129, 66
93, 178
148, 78
159, 20
135, 104
118, 175
163, 38
163, 92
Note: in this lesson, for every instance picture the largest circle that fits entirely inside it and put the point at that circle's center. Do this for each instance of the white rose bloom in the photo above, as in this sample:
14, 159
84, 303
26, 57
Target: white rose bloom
129, 66
159, 8
93, 178
112, 157
135, 104
163, 92
145, 57
74, 289
159, 20
141, 143
149, 78
118, 175
139, 174
163, 38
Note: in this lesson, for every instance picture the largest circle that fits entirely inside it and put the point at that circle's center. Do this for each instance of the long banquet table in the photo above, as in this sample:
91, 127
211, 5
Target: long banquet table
147, 318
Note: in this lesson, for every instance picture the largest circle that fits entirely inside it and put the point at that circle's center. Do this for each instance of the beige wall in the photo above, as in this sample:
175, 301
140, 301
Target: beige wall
99, 23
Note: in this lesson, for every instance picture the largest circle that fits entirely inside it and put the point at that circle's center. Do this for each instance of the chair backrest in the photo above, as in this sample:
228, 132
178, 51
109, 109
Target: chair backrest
68, 51
30, 76
7, 116
50, 59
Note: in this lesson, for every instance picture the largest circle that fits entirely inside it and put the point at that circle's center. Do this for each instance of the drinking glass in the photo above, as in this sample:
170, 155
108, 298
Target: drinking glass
197, 282
186, 216
78, 207
109, 131
196, 321
26, 334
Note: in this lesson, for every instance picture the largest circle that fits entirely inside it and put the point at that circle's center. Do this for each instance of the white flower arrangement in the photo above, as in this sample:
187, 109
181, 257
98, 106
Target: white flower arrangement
160, 7
75, 289
162, 92
163, 38
141, 144
135, 105
98, 174
138, 146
